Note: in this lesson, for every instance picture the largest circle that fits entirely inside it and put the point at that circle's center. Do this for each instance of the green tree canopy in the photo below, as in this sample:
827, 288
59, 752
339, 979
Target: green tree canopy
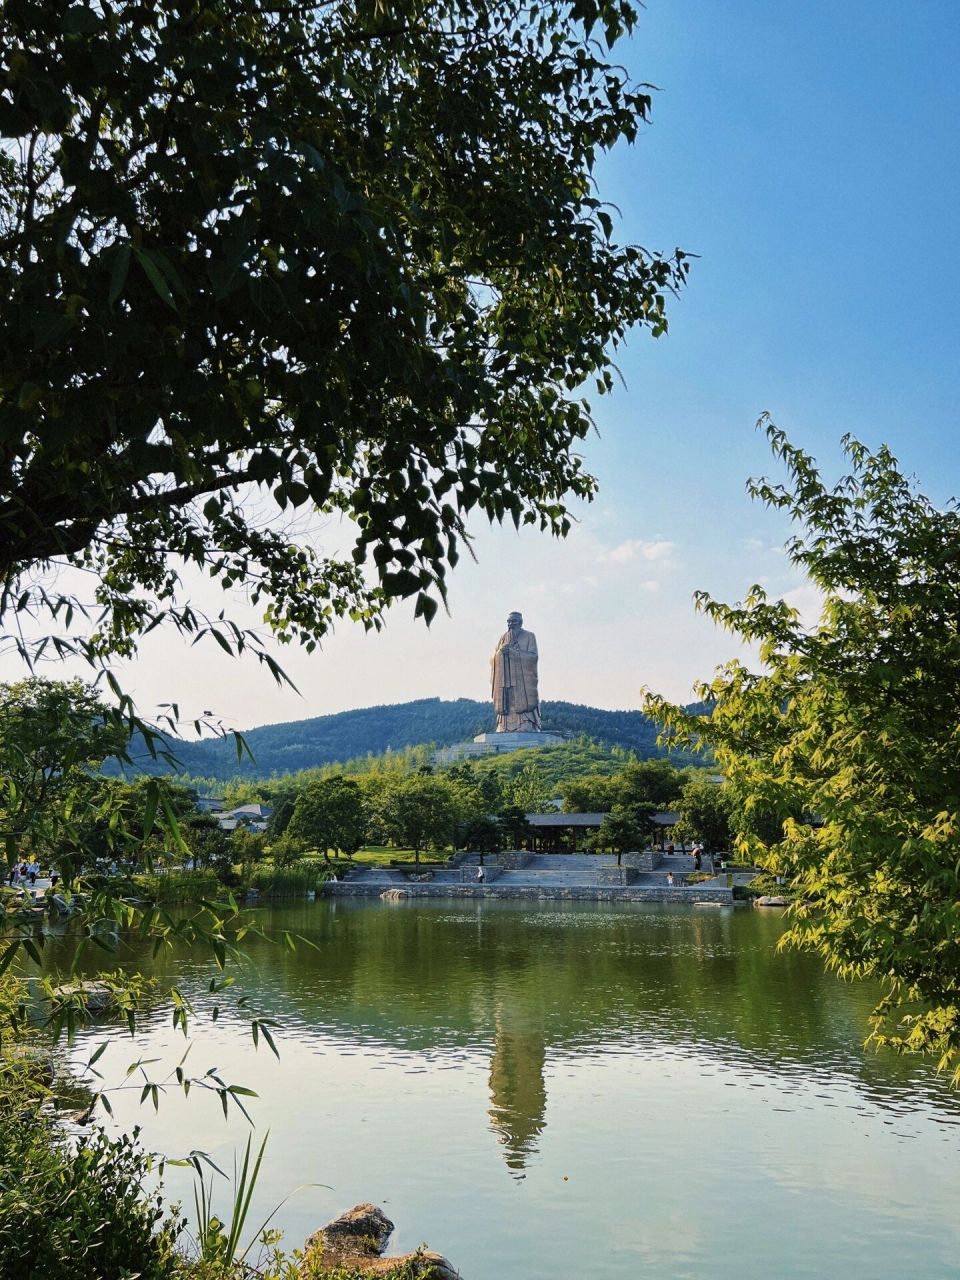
329, 814
344, 256
420, 812
52, 733
656, 782
593, 793
705, 810
625, 828
530, 791
854, 722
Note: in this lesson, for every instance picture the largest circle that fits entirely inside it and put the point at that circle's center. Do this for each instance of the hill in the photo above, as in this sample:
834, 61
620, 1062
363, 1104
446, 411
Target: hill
307, 744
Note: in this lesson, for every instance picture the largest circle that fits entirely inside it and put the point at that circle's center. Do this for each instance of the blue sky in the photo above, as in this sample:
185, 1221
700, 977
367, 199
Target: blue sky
808, 154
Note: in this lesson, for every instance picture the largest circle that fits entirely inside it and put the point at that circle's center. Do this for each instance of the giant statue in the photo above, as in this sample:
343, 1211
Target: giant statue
514, 679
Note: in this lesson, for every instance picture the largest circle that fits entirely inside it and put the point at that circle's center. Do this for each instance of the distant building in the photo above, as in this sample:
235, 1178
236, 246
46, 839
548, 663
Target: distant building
211, 804
252, 817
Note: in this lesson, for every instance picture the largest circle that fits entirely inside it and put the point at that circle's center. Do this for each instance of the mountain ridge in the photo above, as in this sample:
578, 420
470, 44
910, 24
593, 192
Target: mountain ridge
291, 745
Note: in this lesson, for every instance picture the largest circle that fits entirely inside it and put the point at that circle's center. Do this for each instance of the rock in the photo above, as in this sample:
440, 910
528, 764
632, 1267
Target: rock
354, 1243
768, 900
97, 997
63, 906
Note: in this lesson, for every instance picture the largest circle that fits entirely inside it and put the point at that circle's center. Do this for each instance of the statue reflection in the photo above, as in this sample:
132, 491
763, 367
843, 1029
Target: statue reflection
518, 1095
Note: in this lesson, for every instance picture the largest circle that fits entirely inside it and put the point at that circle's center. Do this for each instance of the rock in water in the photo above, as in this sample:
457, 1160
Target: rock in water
364, 1228
354, 1243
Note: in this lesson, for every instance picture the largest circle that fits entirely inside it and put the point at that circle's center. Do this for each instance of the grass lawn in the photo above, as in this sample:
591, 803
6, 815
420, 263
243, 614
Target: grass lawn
380, 855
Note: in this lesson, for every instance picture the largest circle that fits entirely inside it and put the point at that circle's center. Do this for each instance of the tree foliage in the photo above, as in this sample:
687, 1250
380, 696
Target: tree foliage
330, 814
654, 782
853, 723
707, 811
52, 733
420, 812
341, 257
624, 829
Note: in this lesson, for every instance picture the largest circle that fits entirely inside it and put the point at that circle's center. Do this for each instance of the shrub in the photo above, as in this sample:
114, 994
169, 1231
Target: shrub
178, 886
78, 1214
287, 882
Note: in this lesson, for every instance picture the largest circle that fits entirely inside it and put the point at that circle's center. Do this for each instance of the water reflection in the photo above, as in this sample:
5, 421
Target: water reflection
521, 989
518, 1094
616, 1093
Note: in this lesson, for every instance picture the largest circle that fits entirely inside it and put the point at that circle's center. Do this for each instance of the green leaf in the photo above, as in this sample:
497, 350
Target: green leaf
80, 21
155, 277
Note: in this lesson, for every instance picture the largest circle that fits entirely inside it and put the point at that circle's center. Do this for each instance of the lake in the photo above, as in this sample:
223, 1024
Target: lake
567, 1090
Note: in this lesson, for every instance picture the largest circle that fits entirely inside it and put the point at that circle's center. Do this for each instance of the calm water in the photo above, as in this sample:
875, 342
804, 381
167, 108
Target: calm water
572, 1091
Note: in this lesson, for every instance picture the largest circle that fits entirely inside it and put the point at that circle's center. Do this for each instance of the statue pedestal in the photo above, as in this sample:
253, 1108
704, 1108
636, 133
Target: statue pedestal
485, 744
507, 741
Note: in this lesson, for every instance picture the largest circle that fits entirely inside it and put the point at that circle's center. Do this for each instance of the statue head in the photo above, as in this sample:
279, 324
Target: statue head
514, 621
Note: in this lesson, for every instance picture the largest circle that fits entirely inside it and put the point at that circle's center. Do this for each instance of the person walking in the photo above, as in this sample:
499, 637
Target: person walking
697, 857
33, 870
481, 877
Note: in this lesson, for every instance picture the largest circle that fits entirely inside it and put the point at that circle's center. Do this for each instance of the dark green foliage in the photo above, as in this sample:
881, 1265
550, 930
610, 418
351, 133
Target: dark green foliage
654, 782
348, 255
515, 827
78, 1215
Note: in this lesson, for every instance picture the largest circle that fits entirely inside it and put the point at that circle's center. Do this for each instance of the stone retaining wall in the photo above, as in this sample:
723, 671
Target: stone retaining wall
649, 860
514, 859
469, 874
581, 893
616, 875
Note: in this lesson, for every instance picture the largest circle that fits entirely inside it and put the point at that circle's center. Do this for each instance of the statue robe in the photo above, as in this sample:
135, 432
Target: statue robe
516, 699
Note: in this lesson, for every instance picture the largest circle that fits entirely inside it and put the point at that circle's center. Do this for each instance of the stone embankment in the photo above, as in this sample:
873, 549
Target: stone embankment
560, 877
354, 1243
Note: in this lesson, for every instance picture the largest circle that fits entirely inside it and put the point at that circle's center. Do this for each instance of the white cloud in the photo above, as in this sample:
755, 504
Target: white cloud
656, 552
808, 602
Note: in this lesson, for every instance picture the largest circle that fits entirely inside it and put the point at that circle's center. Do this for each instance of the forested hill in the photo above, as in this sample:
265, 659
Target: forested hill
305, 744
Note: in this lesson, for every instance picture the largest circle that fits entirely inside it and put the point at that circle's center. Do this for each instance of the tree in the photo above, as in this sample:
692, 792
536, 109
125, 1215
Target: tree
516, 829
420, 811
594, 793
655, 782
624, 828
52, 733
853, 723
705, 810
530, 791
329, 814
279, 820
344, 257
101, 824
485, 835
